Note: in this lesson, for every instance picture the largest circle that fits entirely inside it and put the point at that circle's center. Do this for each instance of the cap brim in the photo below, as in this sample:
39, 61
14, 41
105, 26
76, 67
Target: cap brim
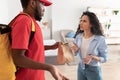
46, 3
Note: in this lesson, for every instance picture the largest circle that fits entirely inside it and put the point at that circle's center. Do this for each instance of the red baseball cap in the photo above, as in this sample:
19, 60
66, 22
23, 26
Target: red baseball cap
46, 2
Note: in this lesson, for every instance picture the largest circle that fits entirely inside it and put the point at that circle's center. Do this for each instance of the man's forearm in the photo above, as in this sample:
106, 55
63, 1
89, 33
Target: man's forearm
22, 61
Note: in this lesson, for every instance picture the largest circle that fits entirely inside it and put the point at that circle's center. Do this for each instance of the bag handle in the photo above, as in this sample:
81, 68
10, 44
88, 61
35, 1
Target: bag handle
32, 24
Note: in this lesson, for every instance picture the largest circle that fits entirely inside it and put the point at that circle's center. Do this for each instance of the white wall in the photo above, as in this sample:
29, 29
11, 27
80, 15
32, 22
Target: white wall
66, 13
8, 9
63, 14
14, 7
47, 18
3, 11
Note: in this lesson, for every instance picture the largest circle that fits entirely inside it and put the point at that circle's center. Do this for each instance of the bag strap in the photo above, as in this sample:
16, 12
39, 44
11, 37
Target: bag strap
32, 32
32, 25
4, 28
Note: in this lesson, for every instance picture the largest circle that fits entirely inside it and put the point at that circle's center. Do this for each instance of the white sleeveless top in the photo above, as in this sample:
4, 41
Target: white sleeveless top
85, 45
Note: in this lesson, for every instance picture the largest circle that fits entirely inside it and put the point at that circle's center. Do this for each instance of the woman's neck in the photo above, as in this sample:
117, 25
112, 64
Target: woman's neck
87, 34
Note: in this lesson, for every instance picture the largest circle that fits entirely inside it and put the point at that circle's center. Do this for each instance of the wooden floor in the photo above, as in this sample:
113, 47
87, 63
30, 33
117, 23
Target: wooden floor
110, 70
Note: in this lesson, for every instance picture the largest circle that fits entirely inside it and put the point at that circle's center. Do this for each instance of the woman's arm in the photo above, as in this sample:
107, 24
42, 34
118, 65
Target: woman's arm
102, 53
103, 50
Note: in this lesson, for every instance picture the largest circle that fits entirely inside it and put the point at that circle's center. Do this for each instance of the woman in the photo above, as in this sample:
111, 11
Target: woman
92, 47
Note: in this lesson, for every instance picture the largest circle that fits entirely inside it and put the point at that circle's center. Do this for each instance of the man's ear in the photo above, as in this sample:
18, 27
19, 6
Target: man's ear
32, 3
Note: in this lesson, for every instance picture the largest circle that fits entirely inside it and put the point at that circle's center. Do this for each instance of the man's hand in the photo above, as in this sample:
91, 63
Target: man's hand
57, 74
54, 46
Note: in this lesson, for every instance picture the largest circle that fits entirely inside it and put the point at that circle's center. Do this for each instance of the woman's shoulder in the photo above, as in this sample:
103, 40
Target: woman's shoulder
99, 37
80, 34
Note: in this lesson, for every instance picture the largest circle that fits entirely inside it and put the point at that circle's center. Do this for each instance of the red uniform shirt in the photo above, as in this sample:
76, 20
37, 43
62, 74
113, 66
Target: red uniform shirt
21, 30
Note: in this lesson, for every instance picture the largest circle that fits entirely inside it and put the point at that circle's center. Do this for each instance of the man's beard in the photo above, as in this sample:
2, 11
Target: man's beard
37, 16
